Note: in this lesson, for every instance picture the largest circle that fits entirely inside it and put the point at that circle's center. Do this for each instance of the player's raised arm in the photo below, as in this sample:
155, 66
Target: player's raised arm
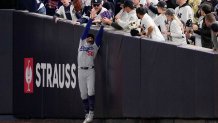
86, 31
99, 36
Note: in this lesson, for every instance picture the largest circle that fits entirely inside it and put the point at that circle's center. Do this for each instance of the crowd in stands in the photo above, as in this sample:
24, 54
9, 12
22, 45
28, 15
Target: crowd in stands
161, 20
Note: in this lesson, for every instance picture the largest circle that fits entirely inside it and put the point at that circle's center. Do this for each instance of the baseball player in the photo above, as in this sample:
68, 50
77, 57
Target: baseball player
87, 51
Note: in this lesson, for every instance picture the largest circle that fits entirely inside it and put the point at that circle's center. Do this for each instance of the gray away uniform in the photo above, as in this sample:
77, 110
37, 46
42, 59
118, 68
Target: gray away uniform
86, 73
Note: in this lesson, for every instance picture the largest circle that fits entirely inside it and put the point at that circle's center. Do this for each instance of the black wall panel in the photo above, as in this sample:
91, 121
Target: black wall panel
6, 39
131, 76
28, 31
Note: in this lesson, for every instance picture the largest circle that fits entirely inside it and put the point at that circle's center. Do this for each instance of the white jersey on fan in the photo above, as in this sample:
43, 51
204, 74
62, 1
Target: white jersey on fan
176, 32
86, 2
147, 22
160, 20
129, 18
122, 15
184, 13
61, 12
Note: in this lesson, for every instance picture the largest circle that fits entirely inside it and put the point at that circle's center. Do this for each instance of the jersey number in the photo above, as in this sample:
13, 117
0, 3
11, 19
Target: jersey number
90, 53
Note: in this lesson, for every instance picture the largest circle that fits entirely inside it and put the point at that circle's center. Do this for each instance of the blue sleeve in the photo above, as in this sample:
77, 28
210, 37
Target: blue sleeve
86, 31
99, 36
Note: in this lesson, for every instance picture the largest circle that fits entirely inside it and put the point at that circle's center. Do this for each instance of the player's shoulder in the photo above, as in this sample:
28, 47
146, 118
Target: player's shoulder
94, 45
82, 41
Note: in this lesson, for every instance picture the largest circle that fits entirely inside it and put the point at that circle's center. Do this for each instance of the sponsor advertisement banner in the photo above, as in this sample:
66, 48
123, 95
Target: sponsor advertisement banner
45, 69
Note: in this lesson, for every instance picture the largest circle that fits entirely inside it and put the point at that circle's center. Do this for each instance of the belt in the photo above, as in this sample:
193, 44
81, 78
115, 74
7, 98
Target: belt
86, 68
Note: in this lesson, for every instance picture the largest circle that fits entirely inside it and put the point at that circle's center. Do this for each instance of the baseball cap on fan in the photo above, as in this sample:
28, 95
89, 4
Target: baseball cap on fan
170, 11
189, 23
96, 2
162, 4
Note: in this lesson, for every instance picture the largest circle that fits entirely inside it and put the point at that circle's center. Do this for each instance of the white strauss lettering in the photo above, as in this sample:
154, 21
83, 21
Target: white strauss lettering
56, 76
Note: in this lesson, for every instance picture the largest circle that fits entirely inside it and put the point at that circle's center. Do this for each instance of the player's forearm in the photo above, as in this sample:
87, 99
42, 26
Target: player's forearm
86, 31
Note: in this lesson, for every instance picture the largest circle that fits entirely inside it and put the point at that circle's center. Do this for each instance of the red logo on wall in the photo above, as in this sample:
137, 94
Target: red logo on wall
28, 75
